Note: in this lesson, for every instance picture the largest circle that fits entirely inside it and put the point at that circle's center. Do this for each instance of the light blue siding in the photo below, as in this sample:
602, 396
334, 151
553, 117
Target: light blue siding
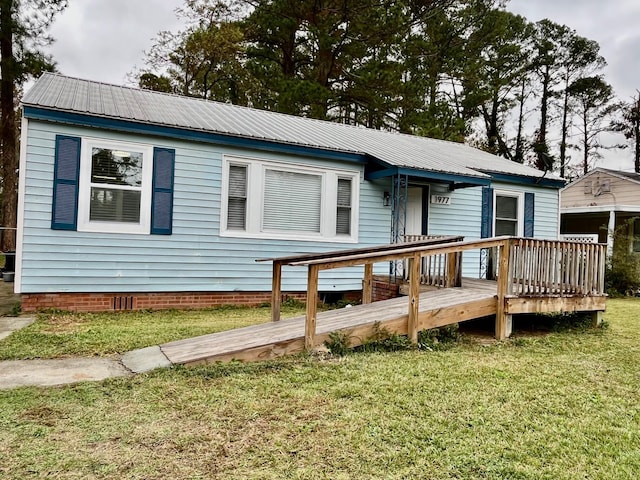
463, 216
194, 257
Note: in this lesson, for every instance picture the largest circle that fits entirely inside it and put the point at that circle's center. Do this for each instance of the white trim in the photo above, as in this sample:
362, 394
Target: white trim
22, 183
255, 200
520, 219
84, 193
602, 208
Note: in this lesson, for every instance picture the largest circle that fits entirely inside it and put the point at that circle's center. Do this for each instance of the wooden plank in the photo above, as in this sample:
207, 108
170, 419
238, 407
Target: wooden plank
367, 284
276, 291
554, 304
312, 307
359, 259
461, 312
380, 248
414, 298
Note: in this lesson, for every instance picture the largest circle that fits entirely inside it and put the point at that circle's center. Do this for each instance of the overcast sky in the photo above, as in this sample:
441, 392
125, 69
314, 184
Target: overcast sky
105, 40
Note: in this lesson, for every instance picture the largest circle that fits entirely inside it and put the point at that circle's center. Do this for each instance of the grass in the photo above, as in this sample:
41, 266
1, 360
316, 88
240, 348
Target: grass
563, 405
64, 334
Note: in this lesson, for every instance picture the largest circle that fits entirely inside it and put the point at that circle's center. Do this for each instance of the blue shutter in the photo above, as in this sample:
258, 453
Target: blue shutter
162, 194
529, 213
66, 175
486, 228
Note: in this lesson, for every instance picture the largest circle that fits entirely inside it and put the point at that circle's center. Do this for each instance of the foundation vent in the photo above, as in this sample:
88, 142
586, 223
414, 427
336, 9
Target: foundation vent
123, 303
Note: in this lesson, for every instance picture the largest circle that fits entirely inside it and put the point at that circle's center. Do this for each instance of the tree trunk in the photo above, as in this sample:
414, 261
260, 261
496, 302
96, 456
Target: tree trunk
519, 151
565, 130
541, 141
8, 127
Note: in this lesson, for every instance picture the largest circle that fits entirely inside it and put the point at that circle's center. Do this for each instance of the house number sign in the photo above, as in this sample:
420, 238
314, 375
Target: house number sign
441, 199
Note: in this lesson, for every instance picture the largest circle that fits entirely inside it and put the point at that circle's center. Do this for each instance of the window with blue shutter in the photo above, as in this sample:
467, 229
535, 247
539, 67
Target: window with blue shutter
162, 191
66, 177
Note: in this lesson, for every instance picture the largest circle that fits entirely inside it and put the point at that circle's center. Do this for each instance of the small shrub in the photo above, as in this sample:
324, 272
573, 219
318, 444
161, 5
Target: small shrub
339, 343
438, 338
622, 275
291, 302
382, 340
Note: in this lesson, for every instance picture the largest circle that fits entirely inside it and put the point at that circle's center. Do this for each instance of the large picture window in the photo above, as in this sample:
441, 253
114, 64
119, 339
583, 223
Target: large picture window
115, 187
272, 200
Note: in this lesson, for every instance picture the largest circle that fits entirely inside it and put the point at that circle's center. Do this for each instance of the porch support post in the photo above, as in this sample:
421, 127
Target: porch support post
312, 307
367, 284
611, 228
414, 298
596, 318
452, 268
276, 291
504, 321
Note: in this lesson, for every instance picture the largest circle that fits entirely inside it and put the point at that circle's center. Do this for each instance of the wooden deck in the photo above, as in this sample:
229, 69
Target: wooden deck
475, 299
533, 276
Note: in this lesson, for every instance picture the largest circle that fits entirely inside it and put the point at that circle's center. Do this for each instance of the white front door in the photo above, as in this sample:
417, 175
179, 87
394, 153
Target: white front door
414, 211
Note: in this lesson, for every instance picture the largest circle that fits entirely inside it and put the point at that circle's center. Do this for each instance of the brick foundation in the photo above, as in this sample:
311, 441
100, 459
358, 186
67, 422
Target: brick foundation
384, 288
101, 302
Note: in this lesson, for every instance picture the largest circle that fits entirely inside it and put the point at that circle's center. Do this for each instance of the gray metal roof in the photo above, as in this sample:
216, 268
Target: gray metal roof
61, 93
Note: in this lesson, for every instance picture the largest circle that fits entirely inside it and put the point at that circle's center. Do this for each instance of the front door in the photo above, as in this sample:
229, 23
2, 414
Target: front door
416, 211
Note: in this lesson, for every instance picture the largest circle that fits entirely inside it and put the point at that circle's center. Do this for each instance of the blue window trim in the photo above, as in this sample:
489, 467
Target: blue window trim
189, 135
73, 182
156, 189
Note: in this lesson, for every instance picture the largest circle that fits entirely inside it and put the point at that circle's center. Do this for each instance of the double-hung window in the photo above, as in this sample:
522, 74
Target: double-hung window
115, 187
508, 214
266, 199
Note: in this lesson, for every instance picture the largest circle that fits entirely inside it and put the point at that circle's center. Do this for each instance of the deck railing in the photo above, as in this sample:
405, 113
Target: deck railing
438, 270
539, 267
525, 268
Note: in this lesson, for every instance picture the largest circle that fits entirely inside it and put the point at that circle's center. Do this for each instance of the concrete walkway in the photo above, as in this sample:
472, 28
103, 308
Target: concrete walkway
28, 373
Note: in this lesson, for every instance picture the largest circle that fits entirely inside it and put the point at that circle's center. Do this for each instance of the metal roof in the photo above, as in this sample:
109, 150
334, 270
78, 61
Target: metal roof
61, 93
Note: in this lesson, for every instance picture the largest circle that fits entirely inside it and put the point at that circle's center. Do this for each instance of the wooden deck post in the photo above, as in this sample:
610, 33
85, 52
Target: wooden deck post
452, 268
503, 320
276, 291
312, 307
367, 284
414, 298
596, 318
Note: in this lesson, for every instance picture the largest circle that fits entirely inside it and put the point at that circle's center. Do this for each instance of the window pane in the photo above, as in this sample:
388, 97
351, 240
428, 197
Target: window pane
506, 207
292, 201
110, 205
506, 227
343, 219
116, 167
237, 201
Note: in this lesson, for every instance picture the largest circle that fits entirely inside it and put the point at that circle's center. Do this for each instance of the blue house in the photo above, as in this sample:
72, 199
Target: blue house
136, 199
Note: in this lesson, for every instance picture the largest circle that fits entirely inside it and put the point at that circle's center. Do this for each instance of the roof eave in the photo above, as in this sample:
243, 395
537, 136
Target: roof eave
206, 136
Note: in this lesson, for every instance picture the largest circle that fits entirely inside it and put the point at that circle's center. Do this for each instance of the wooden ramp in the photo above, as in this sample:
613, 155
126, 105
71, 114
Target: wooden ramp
475, 299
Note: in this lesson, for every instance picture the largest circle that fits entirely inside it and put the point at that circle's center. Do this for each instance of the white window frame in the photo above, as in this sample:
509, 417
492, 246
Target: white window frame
520, 220
255, 201
84, 189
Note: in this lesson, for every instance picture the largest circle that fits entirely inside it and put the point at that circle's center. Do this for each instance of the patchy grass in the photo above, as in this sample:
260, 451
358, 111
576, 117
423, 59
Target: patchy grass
63, 334
557, 406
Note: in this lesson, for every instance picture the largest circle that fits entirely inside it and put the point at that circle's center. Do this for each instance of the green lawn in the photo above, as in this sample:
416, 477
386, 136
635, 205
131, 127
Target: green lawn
564, 405
64, 334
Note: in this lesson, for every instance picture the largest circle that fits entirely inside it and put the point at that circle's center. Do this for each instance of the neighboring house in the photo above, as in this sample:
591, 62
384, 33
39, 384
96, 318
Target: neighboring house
601, 203
136, 199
